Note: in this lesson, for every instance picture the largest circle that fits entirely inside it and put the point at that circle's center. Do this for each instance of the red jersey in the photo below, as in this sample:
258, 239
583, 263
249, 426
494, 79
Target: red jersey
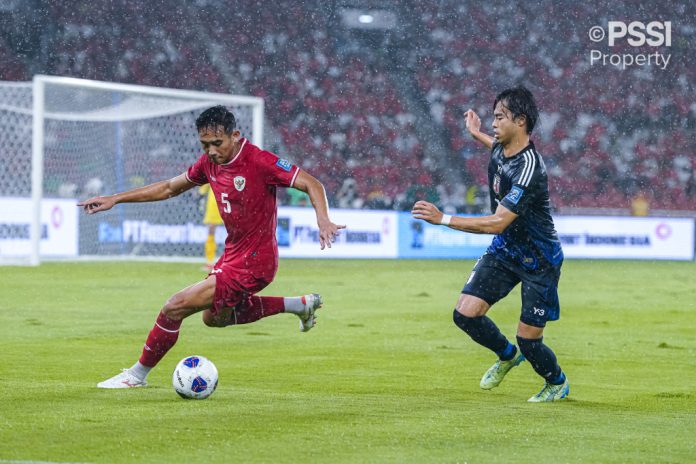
245, 191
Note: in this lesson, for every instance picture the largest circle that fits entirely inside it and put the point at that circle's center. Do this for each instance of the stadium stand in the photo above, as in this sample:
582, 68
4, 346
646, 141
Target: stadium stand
332, 93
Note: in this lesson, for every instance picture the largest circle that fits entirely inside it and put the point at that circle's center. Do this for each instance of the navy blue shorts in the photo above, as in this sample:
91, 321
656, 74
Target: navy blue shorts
492, 279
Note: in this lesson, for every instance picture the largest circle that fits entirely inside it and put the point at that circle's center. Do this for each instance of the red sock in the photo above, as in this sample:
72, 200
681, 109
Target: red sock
258, 307
161, 338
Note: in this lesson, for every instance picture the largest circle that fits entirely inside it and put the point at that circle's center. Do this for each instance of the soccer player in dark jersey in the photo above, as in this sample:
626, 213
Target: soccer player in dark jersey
244, 179
525, 248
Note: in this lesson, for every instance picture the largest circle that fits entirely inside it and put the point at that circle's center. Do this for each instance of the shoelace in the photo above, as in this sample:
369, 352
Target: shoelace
492, 372
547, 386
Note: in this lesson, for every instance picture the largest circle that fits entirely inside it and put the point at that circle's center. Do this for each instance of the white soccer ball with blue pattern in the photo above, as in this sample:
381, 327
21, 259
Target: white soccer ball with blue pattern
195, 377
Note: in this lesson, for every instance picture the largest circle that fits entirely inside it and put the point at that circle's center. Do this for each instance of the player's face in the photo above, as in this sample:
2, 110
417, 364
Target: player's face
504, 127
219, 146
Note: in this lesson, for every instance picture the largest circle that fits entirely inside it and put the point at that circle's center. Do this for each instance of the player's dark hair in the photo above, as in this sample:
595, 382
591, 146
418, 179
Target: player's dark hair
214, 117
520, 102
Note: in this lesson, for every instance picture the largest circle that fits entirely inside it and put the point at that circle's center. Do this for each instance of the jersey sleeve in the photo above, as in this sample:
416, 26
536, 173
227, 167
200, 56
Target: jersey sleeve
277, 171
523, 179
196, 172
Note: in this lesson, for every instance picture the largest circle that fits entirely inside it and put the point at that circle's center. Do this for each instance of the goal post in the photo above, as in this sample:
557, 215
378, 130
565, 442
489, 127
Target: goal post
89, 138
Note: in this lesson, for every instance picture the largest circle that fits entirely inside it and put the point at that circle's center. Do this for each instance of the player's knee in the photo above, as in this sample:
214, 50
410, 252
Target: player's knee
466, 308
472, 306
211, 320
174, 307
172, 313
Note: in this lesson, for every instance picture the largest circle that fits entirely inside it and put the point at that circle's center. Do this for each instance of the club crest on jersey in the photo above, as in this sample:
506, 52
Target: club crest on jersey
496, 184
284, 164
239, 183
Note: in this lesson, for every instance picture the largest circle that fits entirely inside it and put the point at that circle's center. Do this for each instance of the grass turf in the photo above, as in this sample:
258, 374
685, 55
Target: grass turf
384, 377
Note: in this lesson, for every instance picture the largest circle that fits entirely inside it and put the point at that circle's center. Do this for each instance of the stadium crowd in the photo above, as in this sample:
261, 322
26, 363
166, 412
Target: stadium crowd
602, 147
335, 104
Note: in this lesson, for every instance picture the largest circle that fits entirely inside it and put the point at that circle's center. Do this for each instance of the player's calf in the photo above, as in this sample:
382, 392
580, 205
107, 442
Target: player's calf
542, 358
483, 331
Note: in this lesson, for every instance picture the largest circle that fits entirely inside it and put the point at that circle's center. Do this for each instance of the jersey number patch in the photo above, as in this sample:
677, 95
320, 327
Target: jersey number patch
514, 195
284, 164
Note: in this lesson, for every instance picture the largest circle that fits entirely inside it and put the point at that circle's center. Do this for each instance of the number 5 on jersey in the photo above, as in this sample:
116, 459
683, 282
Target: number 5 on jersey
226, 202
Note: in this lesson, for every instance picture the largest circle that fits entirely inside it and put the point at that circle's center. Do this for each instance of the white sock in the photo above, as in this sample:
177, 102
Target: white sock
295, 304
140, 371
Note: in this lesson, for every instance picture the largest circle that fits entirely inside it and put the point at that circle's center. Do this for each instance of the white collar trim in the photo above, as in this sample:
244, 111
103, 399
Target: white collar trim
238, 153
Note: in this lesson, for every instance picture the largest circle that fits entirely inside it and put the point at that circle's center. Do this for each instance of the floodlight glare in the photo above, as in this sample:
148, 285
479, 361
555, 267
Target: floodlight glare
366, 18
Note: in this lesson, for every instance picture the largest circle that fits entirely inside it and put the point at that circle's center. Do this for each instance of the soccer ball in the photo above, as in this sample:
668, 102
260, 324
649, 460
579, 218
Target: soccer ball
195, 377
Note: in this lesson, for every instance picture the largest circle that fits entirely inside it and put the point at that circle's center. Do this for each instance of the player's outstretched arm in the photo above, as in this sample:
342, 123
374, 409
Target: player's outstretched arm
473, 125
493, 224
328, 231
153, 192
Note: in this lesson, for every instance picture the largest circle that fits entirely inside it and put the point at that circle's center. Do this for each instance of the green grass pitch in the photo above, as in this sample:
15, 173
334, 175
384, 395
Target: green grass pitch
384, 377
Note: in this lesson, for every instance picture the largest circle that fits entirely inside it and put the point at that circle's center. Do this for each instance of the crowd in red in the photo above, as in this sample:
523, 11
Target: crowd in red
607, 134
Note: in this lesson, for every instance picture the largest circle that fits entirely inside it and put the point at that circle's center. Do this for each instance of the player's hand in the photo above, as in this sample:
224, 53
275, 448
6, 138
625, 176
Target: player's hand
427, 212
473, 122
328, 231
96, 204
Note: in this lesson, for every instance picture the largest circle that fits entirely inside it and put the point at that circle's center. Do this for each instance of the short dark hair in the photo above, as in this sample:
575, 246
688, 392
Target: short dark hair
214, 117
520, 102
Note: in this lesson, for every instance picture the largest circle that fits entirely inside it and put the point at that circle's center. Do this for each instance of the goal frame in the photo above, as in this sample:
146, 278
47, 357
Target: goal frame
39, 117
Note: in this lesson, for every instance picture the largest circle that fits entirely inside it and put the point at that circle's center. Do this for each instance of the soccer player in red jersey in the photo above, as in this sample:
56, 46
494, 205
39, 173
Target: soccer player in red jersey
244, 179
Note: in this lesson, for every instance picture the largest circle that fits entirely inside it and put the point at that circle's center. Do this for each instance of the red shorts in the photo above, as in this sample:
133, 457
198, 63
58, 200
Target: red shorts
234, 286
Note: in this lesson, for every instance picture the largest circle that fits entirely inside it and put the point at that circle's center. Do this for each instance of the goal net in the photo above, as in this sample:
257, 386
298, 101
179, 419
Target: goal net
66, 139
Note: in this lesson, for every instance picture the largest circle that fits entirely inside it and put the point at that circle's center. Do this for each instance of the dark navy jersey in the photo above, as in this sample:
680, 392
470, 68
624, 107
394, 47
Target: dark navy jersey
520, 184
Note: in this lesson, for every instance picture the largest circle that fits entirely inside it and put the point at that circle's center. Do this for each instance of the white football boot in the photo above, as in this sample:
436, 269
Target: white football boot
123, 380
499, 370
308, 316
551, 392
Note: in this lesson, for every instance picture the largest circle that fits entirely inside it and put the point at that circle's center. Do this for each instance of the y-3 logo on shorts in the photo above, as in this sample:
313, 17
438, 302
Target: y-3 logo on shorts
538, 311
